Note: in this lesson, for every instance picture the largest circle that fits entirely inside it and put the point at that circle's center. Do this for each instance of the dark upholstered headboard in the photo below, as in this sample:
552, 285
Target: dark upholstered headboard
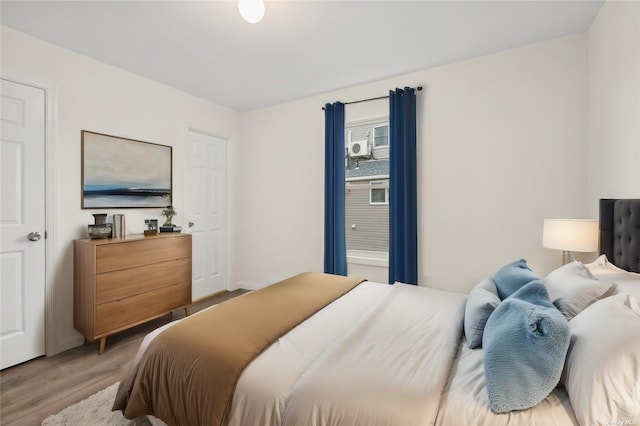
620, 232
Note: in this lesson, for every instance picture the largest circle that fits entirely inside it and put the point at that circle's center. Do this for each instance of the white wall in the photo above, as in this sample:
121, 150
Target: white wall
501, 145
614, 103
94, 96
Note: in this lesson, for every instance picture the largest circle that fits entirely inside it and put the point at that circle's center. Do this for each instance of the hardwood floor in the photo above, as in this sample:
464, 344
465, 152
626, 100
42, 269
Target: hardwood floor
32, 391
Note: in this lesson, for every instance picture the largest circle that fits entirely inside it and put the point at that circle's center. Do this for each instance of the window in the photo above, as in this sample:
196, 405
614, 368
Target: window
381, 136
378, 195
367, 195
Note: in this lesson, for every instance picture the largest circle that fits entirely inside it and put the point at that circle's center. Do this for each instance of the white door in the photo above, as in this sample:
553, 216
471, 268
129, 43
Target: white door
22, 221
206, 212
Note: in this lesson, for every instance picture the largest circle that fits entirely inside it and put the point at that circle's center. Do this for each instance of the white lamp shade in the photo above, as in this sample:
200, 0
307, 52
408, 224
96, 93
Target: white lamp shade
579, 235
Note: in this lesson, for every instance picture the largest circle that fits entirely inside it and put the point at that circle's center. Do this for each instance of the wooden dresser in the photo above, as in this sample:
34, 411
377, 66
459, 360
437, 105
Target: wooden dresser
120, 283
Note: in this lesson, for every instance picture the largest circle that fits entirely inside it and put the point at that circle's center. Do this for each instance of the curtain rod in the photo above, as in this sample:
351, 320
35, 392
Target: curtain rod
419, 88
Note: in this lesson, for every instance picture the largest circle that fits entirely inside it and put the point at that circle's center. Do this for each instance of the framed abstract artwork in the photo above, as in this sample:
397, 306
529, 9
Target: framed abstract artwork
124, 173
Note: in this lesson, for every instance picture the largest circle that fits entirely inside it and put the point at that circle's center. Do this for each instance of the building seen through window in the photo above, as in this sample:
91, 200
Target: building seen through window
367, 187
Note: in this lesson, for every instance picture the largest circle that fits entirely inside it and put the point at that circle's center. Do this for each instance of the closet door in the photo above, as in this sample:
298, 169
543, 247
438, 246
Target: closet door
206, 212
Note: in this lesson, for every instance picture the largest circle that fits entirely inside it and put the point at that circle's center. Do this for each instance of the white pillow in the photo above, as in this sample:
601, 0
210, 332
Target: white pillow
572, 288
602, 265
626, 282
602, 368
482, 301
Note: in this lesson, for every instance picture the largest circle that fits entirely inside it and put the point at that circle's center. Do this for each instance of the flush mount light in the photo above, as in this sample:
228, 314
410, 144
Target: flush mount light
251, 11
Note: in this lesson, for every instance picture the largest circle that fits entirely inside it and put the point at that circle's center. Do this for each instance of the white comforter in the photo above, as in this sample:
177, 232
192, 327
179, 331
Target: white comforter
380, 355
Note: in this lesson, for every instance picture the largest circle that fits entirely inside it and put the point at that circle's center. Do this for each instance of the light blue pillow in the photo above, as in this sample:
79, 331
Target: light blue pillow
512, 276
525, 343
482, 301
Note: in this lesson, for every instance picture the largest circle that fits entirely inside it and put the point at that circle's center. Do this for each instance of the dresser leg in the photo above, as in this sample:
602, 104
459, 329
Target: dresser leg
103, 340
187, 310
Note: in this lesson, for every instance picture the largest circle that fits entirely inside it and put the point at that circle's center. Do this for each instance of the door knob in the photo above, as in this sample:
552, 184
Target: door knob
191, 224
34, 236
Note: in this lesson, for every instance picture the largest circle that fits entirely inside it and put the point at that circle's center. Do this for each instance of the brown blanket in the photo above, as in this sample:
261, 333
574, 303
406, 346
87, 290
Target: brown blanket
188, 373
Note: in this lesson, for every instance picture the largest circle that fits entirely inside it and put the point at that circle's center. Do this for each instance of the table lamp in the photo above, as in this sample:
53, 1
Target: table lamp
570, 235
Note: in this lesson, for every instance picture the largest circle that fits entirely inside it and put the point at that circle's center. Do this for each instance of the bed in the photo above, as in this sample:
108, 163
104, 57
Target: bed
400, 355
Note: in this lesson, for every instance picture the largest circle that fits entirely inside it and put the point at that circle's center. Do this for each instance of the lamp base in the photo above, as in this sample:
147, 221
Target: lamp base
567, 257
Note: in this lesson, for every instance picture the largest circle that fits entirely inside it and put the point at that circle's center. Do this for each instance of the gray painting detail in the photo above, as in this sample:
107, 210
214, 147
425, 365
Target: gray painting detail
120, 172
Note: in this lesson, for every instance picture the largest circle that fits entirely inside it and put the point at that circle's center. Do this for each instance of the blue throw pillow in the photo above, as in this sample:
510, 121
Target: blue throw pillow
512, 276
482, 301
525, 343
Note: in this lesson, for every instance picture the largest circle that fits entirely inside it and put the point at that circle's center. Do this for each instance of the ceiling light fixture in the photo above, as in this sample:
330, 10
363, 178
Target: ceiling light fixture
251, 11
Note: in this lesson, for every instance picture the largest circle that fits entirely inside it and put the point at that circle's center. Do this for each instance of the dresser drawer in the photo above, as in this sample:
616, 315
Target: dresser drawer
130, 282
132, 254
124, 313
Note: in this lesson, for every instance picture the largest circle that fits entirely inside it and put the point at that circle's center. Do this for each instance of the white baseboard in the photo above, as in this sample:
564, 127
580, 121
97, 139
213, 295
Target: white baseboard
67, 343
249, 286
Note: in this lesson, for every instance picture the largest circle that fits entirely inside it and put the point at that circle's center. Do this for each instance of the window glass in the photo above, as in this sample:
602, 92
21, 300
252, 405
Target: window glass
381, 136
378, 196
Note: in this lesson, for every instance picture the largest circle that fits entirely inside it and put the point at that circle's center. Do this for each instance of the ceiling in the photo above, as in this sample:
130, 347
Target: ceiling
300, 48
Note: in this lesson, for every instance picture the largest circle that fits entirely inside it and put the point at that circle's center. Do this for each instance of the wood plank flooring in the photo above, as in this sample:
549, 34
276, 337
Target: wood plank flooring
32, 391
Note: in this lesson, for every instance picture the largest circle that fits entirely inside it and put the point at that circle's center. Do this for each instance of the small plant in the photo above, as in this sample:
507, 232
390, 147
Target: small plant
169, 213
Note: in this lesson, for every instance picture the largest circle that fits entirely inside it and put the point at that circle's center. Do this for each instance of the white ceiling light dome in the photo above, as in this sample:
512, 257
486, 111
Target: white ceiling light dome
251, 11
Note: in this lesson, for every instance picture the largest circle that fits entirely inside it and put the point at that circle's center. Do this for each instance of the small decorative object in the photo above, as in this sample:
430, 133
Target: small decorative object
169, 213
100, 218
152, 227
167, 226
100, 229
118, 226
172, 228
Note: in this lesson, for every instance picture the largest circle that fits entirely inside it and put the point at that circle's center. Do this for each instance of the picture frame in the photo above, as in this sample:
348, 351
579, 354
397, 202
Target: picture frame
120, 173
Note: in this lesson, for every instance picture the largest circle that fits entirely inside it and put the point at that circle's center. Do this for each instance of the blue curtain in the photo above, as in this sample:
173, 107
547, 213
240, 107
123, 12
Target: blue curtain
335, 246
403, 193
